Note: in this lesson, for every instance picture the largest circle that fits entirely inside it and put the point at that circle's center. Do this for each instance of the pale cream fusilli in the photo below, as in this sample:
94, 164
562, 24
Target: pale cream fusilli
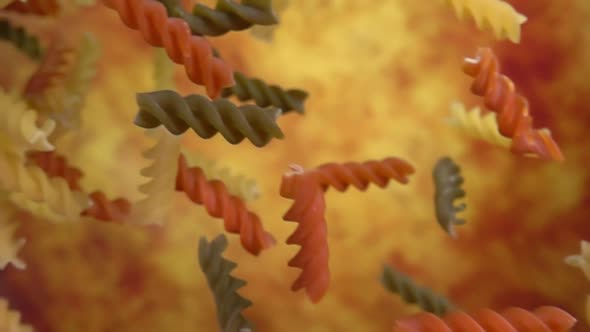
582, 261
478, 125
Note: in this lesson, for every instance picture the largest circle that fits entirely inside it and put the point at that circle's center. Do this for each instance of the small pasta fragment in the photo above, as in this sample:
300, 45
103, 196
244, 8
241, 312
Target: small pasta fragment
477, 125
582, 260
399, 283
447, 182
499, 15
21, 39
10, 319
223, 285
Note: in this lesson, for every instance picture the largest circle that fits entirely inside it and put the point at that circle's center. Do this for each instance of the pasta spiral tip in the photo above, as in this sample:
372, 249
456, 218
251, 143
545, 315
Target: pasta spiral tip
10, 245
149, 17
207, 117
475, 124
18, 36
266, 95
512, 108
425, 298
213, 195
448, 180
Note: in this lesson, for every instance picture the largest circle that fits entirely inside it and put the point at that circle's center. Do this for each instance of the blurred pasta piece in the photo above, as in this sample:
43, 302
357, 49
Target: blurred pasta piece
223, 285
266, 32
582, 261
447, 182
35, 7
21, 39
10, 319
498, 15
10, 245
478, 125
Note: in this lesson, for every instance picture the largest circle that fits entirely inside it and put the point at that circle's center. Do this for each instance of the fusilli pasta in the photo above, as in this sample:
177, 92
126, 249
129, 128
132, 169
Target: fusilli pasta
10, 319
223, 285
9, 244
582, 261
499, 15
27, 43
512, 108
447, 182
266, 32
478, 125
207, 117
35, 7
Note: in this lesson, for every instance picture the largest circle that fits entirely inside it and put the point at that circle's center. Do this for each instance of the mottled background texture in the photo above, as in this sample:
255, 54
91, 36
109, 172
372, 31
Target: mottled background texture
380, 74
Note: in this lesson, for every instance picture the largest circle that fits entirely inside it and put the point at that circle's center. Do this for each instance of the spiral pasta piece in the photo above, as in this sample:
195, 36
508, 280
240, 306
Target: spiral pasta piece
477, 125
52, 70
207, 117
21, 39
228, 15
238, 185
35, 7
397, 282
513, 111
266, 32
102, 208
311, 234
10, 245
360, 175
149, 17
266, 95
447, 182
582, 261
223, 285
213, 195
542, 319
55, 165
19, 130
499, 15
10, 319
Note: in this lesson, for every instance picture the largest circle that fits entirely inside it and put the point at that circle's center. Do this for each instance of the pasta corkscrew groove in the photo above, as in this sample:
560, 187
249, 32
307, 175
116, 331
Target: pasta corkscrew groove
207, 117
514, 119
542, 319
478, 125
149, 17
447, 182
27, 43
213, 195
266, 95
397, 282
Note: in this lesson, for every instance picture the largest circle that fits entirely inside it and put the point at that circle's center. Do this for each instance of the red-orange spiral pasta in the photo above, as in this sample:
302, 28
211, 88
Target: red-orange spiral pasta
360, 175
308, 211
53, 68
149, 17
514, 119
104, 209
542, 319
221, 204
35, 7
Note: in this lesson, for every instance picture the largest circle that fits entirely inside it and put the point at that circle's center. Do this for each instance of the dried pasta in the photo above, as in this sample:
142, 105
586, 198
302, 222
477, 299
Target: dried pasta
213, 195
10, 319
228, 15
399, 283
223, 285
35, 7
104, 209
477, 125
19, 130
582, 261
52, 71
266, 32
266, 95
149, 17
513, 111
542, 319
447, 182
499, 15
207, 117
10, 245
238, 185
21, 39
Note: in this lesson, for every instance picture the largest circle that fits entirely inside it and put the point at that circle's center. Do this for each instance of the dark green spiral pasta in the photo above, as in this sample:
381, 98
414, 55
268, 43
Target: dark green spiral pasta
223, 286
447, 180
228, 15
266, 95
207, 117
397, 282
18, 36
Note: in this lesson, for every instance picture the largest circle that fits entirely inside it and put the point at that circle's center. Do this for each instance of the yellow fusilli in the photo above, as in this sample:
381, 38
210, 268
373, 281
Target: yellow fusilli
18, 129
499, 15
9, 244
10, 319
476, 124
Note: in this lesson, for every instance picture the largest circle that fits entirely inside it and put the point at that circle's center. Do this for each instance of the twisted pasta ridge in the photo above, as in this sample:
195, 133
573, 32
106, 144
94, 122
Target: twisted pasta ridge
149, 17
228, 15
308, 211
154, 209
499, 15
52, 70
223, 285
238, 185
9, 244
19, 130
266, 95
397, 282
21, 39
360, 175
512, 108
55, 165
542, 319
477, 125
35, 7
447, 181
207, 117
219, 203
266, 32
10, 319
102, 208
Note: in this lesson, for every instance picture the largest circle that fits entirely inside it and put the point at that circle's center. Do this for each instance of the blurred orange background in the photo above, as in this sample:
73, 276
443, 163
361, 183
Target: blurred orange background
381, 75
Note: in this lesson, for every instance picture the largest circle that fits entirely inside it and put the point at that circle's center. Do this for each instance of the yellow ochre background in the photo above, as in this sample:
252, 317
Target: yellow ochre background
380, 74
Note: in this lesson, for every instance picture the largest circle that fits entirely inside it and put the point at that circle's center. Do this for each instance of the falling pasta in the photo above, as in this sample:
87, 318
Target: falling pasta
478, 125
582, 261
447, 182
266, 32
21, 39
